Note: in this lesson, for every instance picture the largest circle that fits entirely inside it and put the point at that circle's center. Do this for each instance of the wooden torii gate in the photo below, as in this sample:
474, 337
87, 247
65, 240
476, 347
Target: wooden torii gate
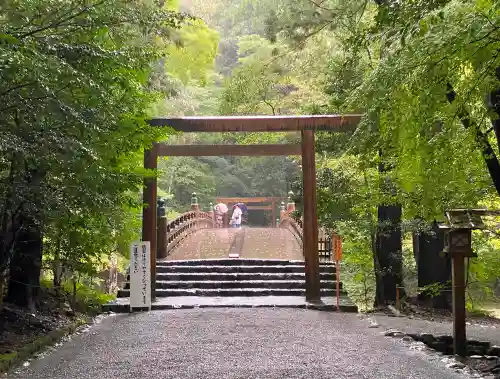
306, 125
230, 201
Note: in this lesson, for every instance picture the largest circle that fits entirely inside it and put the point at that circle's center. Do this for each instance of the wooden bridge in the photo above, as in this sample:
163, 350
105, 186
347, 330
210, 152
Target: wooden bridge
197, 260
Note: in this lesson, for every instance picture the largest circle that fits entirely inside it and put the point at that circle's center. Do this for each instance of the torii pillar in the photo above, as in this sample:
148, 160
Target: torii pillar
149, 222
310, 224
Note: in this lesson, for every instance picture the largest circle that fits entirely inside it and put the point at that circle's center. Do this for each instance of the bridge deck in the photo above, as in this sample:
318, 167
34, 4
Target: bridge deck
264, 243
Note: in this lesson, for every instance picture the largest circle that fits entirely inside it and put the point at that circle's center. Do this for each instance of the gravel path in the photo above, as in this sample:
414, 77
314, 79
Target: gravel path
235, 343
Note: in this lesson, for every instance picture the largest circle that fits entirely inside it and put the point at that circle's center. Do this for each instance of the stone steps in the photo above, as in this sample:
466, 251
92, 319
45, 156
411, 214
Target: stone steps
236, 292
239, 269
234, 262
237, 278
224, 284
230, 280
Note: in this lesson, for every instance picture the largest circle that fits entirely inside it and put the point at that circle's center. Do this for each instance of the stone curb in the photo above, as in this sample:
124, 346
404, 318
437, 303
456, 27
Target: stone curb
124, 308
39, 344
482, 356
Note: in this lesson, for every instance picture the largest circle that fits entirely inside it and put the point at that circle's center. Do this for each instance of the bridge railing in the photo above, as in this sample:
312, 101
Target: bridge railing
294, 225
171, 233
186, 224
288, 220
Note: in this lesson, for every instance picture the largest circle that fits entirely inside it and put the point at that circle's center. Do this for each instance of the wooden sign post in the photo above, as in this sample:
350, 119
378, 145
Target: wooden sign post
140, 276
337, 250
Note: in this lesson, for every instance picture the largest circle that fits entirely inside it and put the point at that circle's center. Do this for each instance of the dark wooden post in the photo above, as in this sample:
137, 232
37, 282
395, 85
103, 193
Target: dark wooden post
273, 214
161, 235
149, 212
310, 225
459, 247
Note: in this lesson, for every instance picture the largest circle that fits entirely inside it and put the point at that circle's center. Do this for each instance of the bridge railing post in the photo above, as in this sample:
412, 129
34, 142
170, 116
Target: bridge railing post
194, 202
290, 207
282, 210
211, 212
161, 235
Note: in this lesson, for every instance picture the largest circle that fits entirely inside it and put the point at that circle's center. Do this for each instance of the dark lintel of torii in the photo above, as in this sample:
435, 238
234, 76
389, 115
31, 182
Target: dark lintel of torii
332, 123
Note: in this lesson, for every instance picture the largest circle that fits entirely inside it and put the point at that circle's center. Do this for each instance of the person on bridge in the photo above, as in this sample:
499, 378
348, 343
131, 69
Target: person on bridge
236, 217
220, 210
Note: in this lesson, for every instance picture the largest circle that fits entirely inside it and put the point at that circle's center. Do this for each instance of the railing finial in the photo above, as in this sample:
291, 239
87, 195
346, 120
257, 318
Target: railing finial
194, 199
161, 209
290, 207
194, 202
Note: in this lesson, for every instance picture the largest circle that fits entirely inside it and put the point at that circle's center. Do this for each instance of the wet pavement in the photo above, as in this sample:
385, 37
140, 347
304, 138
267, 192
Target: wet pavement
235, 343
268, 243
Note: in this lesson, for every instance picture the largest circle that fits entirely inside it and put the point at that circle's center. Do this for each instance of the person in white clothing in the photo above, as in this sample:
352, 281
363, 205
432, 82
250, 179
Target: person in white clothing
236, 217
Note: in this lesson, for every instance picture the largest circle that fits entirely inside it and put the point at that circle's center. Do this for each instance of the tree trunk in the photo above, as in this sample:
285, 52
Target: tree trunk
389, 254
388, 244
482, 140
433, 267
379, 284
493, 104
10, 218
25, 267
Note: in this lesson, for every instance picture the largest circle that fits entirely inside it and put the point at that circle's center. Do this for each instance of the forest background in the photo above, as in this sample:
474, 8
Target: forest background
81, 79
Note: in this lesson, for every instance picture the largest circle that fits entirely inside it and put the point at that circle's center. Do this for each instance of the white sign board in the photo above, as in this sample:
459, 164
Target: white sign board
140, 275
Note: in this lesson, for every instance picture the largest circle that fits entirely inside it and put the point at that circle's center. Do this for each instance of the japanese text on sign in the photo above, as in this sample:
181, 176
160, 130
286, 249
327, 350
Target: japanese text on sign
140, 275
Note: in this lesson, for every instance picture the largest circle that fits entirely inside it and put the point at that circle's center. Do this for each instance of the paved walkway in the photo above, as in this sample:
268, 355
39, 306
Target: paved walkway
236, 343
269, 243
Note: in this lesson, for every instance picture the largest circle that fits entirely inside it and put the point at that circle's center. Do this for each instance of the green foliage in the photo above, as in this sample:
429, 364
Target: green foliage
393, 62
483, 271
83, 297
72, 122
434, 289
222, 176
194, 54
88, 299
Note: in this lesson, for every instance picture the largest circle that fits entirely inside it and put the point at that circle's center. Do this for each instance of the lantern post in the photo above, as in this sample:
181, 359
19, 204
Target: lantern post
458, 246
